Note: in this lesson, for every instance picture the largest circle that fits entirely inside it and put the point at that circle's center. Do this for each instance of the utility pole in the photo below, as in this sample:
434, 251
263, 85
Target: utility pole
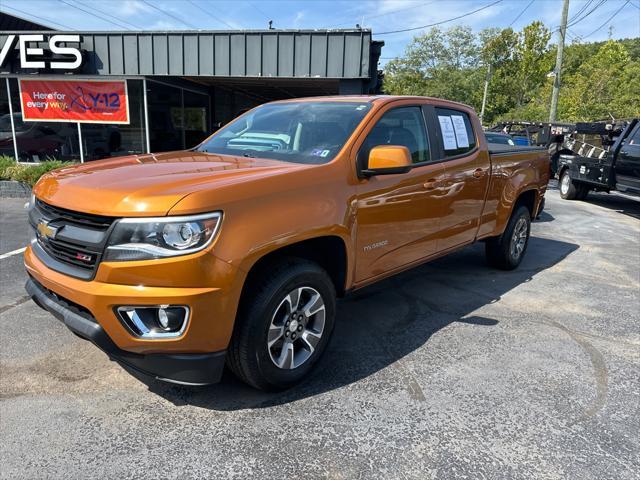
562, 33
486, 91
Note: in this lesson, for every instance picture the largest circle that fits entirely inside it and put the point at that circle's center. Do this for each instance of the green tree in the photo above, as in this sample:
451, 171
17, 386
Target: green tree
606, 84
599, 79
440, 64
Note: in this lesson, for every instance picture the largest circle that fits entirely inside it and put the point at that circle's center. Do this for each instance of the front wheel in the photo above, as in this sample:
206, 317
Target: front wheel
284, 325
507, 250
568, 189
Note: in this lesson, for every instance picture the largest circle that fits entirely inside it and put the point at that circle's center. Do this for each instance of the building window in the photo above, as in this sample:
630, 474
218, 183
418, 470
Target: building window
112, 140
196, 121
178, 118
6, 134
40, 141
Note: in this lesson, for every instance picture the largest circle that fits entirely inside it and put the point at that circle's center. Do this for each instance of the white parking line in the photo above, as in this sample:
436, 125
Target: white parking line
12, 253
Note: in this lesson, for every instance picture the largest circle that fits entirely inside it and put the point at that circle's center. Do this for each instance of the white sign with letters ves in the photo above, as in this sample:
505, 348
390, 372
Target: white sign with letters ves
32, 56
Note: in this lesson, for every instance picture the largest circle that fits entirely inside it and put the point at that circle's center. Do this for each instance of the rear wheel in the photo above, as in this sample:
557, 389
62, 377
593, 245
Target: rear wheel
507, 250
583, 191
284, 326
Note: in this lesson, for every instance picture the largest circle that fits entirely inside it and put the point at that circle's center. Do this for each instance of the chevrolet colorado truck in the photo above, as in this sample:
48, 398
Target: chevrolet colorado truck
234, 252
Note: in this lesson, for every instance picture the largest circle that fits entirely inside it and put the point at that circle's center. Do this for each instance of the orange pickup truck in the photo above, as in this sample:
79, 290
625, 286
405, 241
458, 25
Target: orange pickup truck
234, 252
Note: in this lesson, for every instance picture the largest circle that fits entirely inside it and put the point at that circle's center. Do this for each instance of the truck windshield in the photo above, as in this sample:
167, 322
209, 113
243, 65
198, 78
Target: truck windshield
298, 132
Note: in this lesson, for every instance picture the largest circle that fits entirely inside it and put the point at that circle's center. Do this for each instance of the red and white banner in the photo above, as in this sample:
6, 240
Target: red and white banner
74, 101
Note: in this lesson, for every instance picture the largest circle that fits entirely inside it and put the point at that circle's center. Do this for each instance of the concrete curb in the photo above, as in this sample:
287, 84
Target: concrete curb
13, 189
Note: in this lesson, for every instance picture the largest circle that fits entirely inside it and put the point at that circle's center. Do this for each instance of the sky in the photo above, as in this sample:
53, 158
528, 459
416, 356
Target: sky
594, 20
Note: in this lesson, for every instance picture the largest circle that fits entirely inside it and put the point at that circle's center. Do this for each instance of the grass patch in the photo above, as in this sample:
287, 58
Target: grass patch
29, 174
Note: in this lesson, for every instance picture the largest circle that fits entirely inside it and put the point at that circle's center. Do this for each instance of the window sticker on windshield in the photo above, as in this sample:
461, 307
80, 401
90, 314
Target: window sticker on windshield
361, 107
448, 133
318, 152
461, 131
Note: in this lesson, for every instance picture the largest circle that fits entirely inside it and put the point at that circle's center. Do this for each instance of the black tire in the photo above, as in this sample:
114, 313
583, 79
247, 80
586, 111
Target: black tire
582, 193
249, 355
540, 208
568, 188
499, 251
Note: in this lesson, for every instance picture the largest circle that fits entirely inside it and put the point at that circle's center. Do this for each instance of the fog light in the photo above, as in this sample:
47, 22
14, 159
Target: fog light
163, 318
162, 321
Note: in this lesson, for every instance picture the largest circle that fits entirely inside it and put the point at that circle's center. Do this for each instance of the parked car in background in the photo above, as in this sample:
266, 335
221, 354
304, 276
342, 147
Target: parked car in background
36, 141
539, 134
40, 141
236, 250
499, 138
600, 169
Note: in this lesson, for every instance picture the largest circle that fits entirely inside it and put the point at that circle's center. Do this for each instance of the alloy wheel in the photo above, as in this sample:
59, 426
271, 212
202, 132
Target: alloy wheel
296, 328
519, 238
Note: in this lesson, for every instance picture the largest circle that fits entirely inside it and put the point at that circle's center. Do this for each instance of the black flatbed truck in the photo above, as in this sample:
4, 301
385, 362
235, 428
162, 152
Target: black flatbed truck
616, 169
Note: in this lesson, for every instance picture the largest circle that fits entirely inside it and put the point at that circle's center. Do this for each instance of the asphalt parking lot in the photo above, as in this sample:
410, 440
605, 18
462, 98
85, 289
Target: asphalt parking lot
451, 370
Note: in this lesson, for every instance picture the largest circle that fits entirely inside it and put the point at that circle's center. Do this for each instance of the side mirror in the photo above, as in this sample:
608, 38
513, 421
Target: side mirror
388, 160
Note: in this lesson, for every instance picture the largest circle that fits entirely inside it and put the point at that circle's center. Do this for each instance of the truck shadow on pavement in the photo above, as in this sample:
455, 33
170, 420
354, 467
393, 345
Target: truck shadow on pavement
616, 203
612, 201
378, 326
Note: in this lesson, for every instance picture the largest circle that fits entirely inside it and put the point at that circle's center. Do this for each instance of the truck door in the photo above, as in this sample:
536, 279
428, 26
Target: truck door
466, 176
627, 165
397, 215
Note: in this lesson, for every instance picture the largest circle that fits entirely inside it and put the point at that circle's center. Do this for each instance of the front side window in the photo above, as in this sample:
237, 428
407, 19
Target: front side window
401, 126
634, 138
298, 132
456, 132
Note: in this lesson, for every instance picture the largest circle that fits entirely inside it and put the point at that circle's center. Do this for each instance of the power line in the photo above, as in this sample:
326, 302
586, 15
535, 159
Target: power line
575, 22
582, 9
259, 10
210, 14
423, 4
521, 13
39, 18
607, 20
442, 21
94, 15
169, 14
112, 16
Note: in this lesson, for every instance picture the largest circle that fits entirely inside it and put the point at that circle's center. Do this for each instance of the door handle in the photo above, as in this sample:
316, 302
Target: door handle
430, 184
478, 173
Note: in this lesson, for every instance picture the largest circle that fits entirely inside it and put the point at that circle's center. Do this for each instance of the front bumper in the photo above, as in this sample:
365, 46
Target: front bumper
187, 369
175, 282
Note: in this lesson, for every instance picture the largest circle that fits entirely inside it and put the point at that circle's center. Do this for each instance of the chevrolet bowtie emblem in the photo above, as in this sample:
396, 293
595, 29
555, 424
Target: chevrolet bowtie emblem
47, 230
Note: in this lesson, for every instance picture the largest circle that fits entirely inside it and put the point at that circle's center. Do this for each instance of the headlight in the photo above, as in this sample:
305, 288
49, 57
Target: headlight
161, 237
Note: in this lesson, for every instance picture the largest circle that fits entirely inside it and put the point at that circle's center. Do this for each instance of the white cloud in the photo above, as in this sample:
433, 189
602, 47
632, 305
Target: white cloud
166, 25
130, 8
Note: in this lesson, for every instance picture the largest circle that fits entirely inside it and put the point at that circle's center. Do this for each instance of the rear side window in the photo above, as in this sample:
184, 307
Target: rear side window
400, 126
456, 132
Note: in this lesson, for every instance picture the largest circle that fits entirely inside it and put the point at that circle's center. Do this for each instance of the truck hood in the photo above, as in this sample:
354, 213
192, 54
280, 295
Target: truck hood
148, 185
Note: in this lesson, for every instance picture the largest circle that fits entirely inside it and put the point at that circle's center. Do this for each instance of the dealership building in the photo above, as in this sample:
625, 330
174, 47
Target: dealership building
179, 86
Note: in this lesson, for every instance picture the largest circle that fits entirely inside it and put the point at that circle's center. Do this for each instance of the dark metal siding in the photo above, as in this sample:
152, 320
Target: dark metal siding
270, 53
